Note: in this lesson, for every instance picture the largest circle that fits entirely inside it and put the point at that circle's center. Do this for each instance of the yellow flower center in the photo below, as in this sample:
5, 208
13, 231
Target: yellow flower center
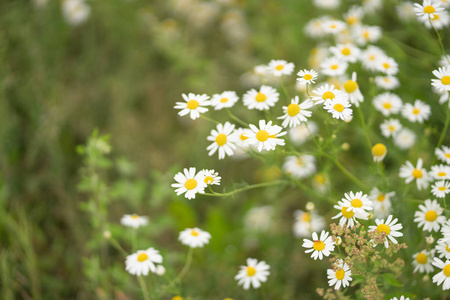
142, 257
391, 128
328, 95
134, 217
386, 65
379, 150
177, 298
383, 228
194, 232
251, 271
435, 17
332, 26
447, 155
279, 67
307, 77
209, 180
441, 174
339, 274
366, 34
431, 215
243, 137
445, 80
350, 86
356, 203
387, 105
221, 139
351, 20
224, 100
338, 107
190, 184
262, 135
416, 111
372, 57
346, 51
381, 198
192, 104
347, 214
260, 97
429, 9
417, 173
334, 67
442, 188
293, 109
319, 178
306, 217
447, 248
319, 245
447, 270
422, 258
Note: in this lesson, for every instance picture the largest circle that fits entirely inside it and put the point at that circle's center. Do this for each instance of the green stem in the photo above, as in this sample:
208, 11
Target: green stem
143, 287
134, 240
346, 172
363, 125
307, 91
236, 118
285, 91
118, 247
187, 265
447, 122
440, 40
209, 119
249, 187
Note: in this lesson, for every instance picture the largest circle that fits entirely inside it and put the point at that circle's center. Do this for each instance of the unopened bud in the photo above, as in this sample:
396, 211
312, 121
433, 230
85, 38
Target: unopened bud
160, 270
429, 239
310, 206
345, 146
107, 234
338, 241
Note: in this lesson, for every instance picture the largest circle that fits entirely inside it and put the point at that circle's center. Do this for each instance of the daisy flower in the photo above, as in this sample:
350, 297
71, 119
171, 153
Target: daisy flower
440, 172
379, 152
422, 261
443, 81
371, 56
327, 92
262, 100
346, 52
194, 105
327, 4
358, 203
390, 127
354, 16
381, 202
266, 136
417, 112
340, 276
387, 82
307, 76
443, 248
303, 132
224, 100
296, 113
366, 34
339, 108
211, 177
321, 183
445, 59
333, 26
440, 188
443, 154
405, 11
280, 67
445, 230
333, 66
315, 27
301, 166
143, 261
259, 218
134, 221
387, 103
429, 216
439, 21
221, 140
307, 222
253, 273
319, 247
351, 87
194, 237
75, 12
427, 9
390, 228
387, 65
419, 174
189, 183
405, 138
348, 214
444, 275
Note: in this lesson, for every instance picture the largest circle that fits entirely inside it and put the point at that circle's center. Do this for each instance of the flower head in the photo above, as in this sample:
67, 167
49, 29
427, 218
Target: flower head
224, 100
296, 113
194, 105
339, 276
263, 99
307, 77
134, 220
280, 67
319, 247
417, 173
266, 136
194, 237
444, 275
143, 261
190, 183
390, 228
221, 140
253, 273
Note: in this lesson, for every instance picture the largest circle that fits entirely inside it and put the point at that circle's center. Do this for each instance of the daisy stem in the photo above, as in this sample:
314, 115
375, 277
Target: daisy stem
249, 187
285, 90
307, 91
345, 171
209, 119
187, 265
118, 247
143, 287
134, 240
236, 118
152, 285
447, 122
440, 40
363, 125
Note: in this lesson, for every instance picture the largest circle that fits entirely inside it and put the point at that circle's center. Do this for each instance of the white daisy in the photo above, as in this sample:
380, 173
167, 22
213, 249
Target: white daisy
419, 174
262, 100
303, 132
430, 216
253, 273
443, 154
211, 177
390, 228
333, 26
401, 298
354, 16
194, 105
371, 56
422, 261
222, 141
301, 166
443, 81
417, 112
445, 230
189, 183
339, 108
194, 237
390, 127
307, 76
387, 82
224, 100
266, 136
315, 27
443, 248
348, 215
405, 11
326, 92
296, 113
366, 34
358, 203
440, 188
427, 9
280, 67
445, 59
307, 222
333, 66
444, 275
134, 220
75, 12
319, 247
340, 276
321, 183
351, 87
440, 172
259, 218
405, 138
327, 4
439, 20
387, 103
443, 95
381, 202
379, 152
387, 65
143, 261
346, 52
